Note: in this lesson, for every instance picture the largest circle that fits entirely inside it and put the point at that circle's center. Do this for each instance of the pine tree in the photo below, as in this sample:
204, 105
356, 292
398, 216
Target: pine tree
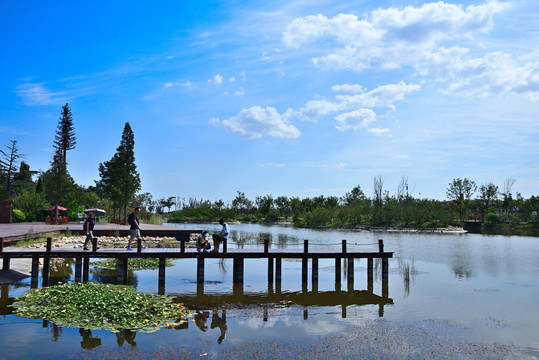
65, 139
8, 164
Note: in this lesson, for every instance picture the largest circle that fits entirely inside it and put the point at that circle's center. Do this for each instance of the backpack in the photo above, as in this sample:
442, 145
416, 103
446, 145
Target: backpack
85, 226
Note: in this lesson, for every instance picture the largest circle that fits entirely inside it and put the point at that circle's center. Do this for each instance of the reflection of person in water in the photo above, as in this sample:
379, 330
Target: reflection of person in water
200, 320
219, 322
88, 341
126, 335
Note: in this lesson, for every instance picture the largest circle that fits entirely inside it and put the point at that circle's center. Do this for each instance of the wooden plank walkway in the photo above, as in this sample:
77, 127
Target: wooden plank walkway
273, 256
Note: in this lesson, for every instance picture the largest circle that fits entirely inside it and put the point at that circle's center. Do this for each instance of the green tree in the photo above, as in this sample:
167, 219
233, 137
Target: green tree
460, 191
64, 138
354, 197
57, 182
8, 165
487, 194
126, 176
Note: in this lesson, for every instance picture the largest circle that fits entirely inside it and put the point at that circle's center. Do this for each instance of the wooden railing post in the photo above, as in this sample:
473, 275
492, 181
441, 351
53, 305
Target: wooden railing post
344, 246
304, 263
266, 246
381, 245
49, 244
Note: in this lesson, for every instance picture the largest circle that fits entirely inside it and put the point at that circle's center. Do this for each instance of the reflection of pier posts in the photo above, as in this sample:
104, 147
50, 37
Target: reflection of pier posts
200, 289
370, 277
34, 272
200, 269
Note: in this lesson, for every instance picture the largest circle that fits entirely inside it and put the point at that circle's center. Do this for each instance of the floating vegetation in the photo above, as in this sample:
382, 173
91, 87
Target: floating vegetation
97, 306
134, 264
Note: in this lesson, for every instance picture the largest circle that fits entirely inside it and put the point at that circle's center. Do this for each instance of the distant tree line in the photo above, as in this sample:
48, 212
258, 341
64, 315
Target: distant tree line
465, 201
34, 193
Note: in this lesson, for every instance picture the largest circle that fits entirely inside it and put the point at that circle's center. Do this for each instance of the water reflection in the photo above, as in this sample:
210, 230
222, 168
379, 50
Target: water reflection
217, 321
88, 341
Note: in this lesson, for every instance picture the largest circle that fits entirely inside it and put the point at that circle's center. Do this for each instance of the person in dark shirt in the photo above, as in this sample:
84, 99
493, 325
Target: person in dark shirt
134, 223
89, 227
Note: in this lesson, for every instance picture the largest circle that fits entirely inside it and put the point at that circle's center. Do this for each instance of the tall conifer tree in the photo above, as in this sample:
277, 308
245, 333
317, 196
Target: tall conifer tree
65, 139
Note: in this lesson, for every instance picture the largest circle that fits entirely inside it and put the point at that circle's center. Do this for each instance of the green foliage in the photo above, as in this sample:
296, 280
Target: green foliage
18, 215
97, 306
493, 218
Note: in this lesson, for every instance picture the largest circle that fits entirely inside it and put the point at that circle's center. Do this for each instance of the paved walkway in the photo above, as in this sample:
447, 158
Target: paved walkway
22, 229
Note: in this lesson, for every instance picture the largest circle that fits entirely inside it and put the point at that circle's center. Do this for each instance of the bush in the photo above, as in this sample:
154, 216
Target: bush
493, 218
18, 215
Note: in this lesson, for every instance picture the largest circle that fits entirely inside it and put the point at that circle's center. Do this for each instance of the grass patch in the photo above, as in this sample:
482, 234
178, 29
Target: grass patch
30, 242
134, 264
97, 306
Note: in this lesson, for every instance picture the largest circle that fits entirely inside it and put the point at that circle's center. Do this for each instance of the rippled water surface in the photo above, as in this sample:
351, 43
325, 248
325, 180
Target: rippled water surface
484, 287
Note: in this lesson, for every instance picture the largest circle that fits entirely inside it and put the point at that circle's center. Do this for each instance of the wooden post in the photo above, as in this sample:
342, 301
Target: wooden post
139, 245
237, 277
270, 271
304, 263
370, 278
278, 270
337, 272
350, 273
344, 246
78, 268
94, 244
200, 269
46, 270
385, 271
162, 262
314, 274
266, 246
35, 271
86, 269
6, 263
182, 246
121, 273
225, 245
49, 244
381, 245
1, 245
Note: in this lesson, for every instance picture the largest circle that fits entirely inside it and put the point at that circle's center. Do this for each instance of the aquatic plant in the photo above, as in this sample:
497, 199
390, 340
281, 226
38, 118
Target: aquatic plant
97, 306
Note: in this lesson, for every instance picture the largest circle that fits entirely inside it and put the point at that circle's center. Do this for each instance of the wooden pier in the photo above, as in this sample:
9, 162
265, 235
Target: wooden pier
238, 256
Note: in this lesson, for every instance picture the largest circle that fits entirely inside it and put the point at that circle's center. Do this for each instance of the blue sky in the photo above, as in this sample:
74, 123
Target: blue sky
294, 98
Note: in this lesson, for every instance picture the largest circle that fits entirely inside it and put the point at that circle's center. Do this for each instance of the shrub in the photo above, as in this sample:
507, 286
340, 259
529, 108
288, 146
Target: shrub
18, 215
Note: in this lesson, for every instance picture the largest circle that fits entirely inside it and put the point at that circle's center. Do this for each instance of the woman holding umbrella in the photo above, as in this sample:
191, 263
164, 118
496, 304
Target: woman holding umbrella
89, 227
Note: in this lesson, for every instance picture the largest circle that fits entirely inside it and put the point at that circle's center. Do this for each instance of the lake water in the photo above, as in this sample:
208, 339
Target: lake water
483, 288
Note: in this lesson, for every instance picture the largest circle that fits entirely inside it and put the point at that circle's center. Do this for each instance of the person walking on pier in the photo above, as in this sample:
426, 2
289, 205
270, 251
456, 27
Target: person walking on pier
223, 235
89, 228
134, 222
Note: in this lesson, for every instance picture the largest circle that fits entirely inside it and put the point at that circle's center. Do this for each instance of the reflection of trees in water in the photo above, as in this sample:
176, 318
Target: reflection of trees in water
108, 276
408, 272
88, 341
61, 270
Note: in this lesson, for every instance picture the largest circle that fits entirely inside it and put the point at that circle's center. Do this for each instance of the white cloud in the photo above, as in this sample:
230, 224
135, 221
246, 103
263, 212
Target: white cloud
218, 79
356, 119
169, 84
427, 39
232, 79
239, 92
187, 83
256, 122
36, 94
378, 131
